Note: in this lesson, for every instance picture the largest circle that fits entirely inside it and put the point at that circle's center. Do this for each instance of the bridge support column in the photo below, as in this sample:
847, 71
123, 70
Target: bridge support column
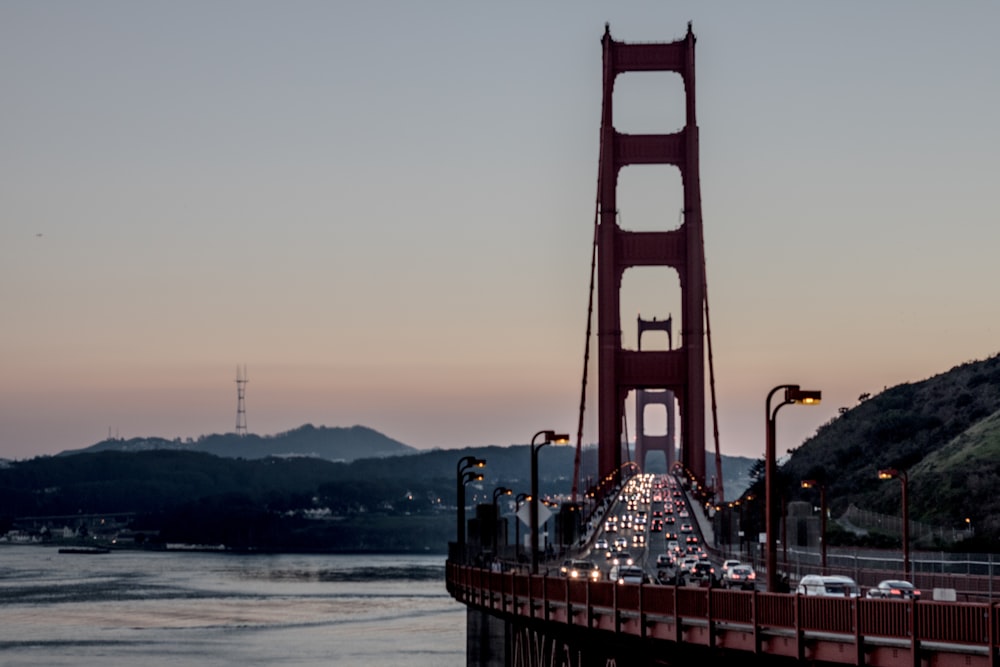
486, 640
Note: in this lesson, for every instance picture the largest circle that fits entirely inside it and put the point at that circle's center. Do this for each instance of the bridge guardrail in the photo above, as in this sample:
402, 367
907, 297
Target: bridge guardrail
947, 629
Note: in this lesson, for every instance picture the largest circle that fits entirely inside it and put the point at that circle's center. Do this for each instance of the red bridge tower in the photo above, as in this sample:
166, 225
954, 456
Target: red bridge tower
682, 369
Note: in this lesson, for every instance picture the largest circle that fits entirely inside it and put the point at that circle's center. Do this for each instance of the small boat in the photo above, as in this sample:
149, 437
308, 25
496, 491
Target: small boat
84, 550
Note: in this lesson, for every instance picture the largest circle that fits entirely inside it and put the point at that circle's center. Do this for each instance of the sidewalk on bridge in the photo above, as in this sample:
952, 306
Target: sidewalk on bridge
704, 524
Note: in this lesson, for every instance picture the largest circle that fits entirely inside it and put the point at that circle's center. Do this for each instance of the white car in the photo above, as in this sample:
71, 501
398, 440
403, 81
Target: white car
627, 574
829, 586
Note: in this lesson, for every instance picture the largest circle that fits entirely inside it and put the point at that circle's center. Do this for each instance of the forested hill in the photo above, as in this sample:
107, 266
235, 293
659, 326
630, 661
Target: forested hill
330, 443
944, 431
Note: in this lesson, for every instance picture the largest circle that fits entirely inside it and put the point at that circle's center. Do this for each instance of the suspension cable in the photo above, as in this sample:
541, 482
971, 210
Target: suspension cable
586, 352
719, 490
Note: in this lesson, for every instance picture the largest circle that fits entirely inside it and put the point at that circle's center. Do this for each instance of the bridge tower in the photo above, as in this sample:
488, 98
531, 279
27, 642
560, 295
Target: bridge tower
644, 442
681, 370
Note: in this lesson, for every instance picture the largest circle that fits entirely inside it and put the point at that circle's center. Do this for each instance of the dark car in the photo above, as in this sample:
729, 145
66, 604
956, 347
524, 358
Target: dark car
703, 572
894, 589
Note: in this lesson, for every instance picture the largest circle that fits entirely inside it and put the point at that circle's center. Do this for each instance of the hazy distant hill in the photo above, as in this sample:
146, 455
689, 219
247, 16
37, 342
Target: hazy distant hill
330, 443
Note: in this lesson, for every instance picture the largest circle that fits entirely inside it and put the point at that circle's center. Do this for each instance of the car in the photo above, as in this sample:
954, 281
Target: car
673, 546
627, 574
687, 528
726, 564
702, 570
581, 569
601, 544
687, 563
622, 558
664, 560
894, 589
739, 576
828, 586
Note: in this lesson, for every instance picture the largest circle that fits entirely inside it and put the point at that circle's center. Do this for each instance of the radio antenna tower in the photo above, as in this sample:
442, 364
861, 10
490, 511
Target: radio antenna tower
241, 409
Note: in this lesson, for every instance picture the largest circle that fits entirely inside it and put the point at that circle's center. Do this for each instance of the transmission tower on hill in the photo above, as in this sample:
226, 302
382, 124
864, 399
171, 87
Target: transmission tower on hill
241, 408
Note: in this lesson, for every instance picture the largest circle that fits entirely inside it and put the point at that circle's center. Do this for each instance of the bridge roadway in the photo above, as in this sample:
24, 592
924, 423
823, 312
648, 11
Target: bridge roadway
651, 619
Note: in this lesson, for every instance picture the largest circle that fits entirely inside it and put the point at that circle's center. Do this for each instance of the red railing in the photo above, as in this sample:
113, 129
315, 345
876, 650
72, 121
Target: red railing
878, 631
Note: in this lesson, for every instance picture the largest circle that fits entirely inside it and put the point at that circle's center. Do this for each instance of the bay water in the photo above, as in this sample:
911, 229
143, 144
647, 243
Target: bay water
182, 609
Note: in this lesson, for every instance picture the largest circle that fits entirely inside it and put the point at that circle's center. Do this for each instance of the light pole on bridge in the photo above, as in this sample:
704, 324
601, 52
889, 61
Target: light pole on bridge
465, 465
892, 473
811, 484
497, 492
793, 394
548, 437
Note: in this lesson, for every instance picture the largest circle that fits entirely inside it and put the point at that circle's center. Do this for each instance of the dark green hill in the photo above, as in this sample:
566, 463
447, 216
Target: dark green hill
945, 431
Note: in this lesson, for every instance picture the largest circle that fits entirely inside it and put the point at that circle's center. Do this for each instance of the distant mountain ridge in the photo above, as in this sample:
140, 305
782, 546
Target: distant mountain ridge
331, 443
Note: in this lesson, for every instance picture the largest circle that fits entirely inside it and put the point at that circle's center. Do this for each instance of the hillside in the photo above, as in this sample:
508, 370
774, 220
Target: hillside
330, 443
944, 431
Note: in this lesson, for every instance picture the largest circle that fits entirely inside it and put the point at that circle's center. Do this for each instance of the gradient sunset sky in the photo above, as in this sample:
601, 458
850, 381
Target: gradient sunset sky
384, 210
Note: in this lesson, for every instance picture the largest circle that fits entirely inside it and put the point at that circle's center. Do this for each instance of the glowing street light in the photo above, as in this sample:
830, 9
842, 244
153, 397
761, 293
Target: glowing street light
465, 464
548, 437
497, 492
813, 484
793, 394
892, 473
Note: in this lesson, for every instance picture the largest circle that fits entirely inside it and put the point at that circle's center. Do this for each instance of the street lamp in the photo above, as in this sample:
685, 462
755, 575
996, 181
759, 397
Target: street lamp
813, 484
547, 437
497, 492
793, 394
518, 499
465, 464
892, 473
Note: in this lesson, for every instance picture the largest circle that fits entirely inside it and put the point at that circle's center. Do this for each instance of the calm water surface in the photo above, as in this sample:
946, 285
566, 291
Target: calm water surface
187, 609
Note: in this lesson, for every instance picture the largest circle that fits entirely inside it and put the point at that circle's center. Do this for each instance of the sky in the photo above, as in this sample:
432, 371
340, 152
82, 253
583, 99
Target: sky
384, 210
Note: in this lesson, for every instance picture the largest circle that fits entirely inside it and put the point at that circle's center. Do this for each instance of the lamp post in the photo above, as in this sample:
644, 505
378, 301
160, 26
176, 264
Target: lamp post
497, 492
813, 484
548, 437
793, 394
892, 473
465, 464
518, 499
